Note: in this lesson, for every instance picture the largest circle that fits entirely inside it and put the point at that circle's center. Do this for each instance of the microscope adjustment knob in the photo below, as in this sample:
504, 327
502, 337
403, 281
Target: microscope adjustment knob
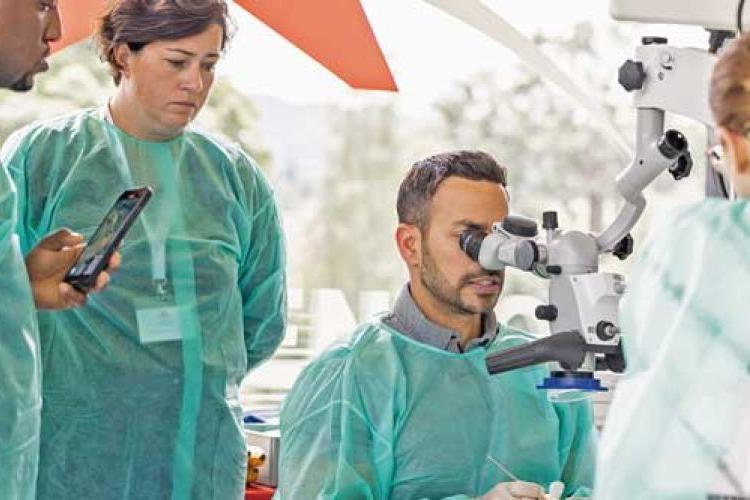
624, 248
546, 313
672, 144
526, 255
682, 168
520, 226
654, 40
606, 330
631, 75
554, 269
549, 220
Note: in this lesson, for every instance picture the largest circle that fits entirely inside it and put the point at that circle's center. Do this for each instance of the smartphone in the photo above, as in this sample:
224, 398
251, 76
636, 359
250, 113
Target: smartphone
99, 249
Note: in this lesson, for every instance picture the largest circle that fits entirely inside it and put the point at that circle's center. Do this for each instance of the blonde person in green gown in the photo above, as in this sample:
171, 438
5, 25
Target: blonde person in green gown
679, 425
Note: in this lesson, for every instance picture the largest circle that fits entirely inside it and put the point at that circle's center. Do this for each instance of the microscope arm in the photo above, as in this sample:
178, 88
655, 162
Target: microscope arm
662, 79
567, 348
655, 152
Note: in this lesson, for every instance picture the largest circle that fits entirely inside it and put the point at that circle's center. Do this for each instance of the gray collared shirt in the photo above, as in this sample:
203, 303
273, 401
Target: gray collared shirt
408, 319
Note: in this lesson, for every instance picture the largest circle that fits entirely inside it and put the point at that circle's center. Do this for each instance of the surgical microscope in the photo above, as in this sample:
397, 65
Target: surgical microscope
582, 306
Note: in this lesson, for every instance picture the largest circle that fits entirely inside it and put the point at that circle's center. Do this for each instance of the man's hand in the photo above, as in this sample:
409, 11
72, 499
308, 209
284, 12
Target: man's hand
516, 490
47, 265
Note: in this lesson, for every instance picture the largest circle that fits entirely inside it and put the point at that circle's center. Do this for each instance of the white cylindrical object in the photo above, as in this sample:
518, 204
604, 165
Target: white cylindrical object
556, 490
717, 14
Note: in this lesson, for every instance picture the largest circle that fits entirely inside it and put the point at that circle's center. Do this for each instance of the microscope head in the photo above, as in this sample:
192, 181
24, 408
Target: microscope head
713, 15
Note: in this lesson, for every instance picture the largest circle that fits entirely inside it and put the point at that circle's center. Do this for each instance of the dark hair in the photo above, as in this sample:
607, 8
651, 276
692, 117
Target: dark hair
140, 22
425, 176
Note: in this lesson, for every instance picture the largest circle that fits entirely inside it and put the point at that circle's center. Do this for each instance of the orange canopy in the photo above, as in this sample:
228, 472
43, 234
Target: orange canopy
336, 33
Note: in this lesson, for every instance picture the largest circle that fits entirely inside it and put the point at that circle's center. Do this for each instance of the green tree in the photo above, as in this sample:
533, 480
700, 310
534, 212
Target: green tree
551, 150
351, 242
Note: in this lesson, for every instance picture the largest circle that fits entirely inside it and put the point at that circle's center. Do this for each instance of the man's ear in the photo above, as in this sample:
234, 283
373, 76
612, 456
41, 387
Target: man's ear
123, 56
409, 243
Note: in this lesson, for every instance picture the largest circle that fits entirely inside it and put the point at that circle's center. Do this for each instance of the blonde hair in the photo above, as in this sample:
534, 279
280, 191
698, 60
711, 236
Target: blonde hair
729, 94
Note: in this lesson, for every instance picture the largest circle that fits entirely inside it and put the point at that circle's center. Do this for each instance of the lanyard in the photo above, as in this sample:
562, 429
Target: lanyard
157, 229
164, 216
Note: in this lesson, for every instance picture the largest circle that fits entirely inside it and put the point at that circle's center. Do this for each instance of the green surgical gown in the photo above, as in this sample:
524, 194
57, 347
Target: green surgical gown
141, 386
385, 416
20, 361
679, 424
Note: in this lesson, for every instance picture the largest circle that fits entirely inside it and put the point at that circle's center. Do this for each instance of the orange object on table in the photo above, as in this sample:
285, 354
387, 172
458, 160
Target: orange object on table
257, 492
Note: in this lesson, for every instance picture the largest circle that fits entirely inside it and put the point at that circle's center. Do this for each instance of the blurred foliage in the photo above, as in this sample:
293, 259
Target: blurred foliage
555, 157
352, 244
344, 219
550, 148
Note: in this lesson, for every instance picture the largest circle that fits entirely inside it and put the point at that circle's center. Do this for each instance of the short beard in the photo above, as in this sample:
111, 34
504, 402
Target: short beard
434, 281
23, 84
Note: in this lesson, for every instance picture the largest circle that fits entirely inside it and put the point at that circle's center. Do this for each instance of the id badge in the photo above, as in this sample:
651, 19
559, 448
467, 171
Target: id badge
159, 324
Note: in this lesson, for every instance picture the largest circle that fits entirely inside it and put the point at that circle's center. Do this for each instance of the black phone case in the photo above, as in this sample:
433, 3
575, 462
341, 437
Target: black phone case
84, 281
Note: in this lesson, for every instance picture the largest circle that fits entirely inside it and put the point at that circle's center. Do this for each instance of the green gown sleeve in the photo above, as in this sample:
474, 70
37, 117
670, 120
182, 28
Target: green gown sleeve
20, 360
578, 438
329, 447
14, 158
262, 274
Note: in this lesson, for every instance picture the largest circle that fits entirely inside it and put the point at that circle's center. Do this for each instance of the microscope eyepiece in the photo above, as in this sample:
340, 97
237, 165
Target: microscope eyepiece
471, 242
682, 167
672, 144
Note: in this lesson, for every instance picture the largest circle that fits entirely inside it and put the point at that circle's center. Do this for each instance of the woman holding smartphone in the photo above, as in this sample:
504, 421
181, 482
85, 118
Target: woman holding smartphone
141, 388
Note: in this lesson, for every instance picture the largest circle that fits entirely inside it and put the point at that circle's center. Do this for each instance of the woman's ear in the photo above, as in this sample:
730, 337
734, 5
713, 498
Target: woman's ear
736, 149
123, 56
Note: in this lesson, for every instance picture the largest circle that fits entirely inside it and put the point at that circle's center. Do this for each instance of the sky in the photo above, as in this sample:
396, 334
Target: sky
427, 50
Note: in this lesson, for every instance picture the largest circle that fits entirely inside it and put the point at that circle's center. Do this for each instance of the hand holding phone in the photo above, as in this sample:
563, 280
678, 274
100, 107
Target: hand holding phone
107, 237
48, 263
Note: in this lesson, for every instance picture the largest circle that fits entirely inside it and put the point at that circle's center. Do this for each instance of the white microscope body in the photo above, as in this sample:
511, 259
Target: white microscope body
583, 302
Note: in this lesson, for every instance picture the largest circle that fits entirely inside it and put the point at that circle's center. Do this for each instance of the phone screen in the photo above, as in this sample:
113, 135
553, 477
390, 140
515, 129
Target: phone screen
107, 236
107, 231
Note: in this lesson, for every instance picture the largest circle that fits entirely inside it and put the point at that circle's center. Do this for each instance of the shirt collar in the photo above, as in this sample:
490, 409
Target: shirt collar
408, 319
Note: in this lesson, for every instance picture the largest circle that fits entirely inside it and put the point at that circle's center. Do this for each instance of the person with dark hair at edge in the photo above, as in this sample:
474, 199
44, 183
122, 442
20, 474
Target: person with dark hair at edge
406, 407
141, 388
28, 27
